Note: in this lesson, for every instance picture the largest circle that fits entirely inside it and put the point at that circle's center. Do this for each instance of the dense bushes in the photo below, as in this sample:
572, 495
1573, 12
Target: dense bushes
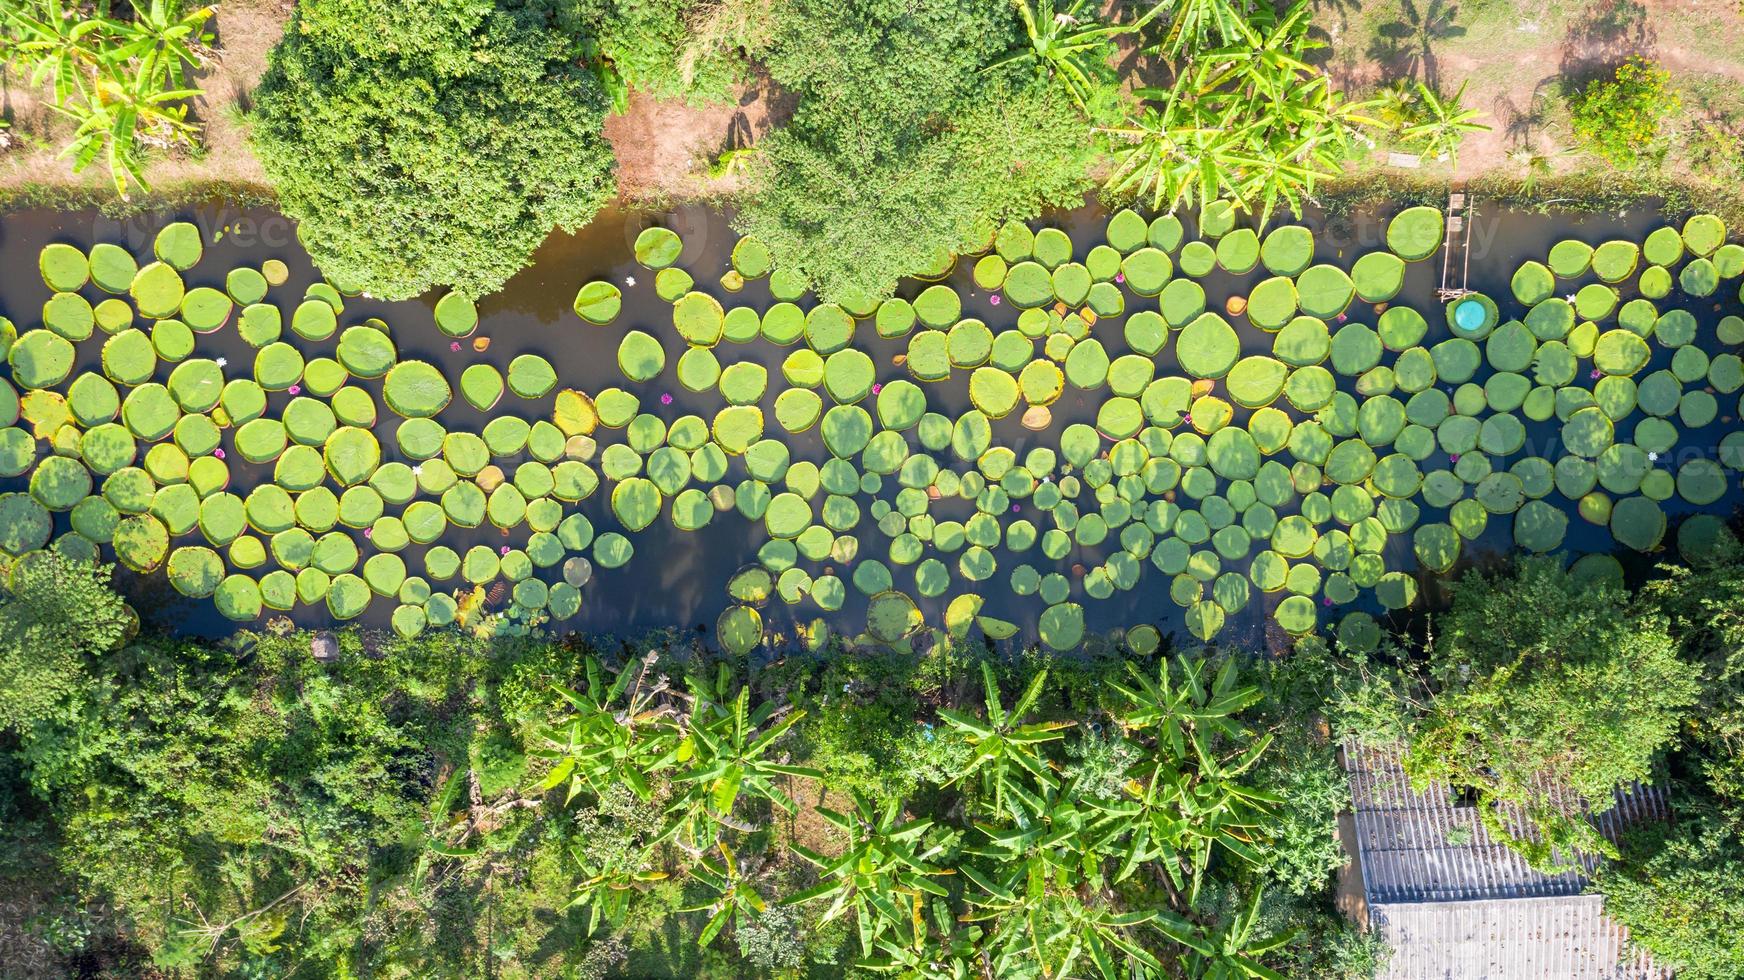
902, 147
441, 151
1548, 681
1619, 118
1679, 885
432, 809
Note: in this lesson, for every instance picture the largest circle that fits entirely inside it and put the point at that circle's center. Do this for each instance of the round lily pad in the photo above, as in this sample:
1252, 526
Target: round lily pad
455, 315
417, 389
658, 248
1415, 233
530, 376
598, 302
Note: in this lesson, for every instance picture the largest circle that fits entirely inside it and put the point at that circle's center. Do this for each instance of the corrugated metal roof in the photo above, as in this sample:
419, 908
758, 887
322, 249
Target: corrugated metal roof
1561, 938
1426, 847
1455, 903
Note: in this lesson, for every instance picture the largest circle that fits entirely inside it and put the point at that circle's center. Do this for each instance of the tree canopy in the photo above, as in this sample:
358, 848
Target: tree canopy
1548, 683
441, 157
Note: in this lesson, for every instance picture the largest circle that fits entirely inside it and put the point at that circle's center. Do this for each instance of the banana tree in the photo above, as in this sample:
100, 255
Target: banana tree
618, 732
736, 899
888, 866
1004, 744
1233, 950
123, 82
1068, 45
1195, 25
1445, 124
1042, 892
929, 944
723, 753
1187, 798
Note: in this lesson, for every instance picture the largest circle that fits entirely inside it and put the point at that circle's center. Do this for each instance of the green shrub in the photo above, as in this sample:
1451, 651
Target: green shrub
672, 48
1680, 889
54, 612
1620, 118
444, 160
901, 147
1548, 680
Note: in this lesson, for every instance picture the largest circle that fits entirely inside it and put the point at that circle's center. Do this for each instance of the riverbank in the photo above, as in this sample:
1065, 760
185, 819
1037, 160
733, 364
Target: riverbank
1517, 67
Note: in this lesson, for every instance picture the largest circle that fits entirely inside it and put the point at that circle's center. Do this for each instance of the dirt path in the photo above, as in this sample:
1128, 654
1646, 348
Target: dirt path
665, 147
1514, 59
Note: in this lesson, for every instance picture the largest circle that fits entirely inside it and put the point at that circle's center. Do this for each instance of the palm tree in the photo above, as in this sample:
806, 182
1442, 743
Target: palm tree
1444, 126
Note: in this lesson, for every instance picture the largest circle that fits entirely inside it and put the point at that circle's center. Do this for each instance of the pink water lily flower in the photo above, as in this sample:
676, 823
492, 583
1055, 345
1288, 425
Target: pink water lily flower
368, 532
993, 299
1120, 277
218, 453
1596, 374
505, 549
1453, 457
665, 399
296, 389
1326, 601
877, 388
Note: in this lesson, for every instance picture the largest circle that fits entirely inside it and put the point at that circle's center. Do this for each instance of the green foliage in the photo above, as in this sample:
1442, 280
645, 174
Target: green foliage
1252, 122
1680, 889
240, 810
1441, 123
901, 147
55, 612
441, 159
122, 74
1708, 620
1548, 681
418, 809
435, 33
1679, 884
1066, 45
664, 46
1620, 118
1194, 25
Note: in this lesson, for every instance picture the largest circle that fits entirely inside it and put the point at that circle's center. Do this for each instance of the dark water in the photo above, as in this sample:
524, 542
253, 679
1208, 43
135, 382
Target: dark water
678, 578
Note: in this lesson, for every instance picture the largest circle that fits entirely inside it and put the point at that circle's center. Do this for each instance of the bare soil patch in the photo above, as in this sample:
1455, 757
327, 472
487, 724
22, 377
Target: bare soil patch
1517, 59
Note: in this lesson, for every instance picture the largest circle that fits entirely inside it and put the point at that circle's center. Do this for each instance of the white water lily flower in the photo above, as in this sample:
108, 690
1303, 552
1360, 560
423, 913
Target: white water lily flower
222, 361
629, 280
417, 469
1569, 297
1653, 457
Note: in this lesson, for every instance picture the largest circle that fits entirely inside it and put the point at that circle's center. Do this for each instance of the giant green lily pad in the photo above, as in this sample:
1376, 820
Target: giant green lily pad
1208, 347
40, 359
1415, 233
599, 302
417, 389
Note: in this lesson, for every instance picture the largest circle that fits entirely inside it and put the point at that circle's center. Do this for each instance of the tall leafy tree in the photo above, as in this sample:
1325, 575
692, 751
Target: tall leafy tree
442, 159
1548, 685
